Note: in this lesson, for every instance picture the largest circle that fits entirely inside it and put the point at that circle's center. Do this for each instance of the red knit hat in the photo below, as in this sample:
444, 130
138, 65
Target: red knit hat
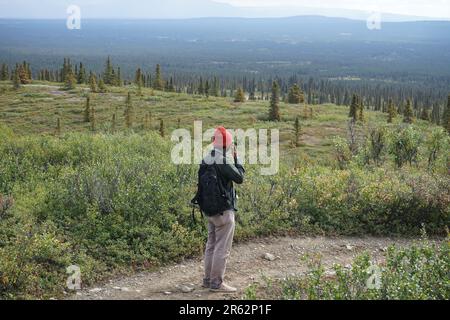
222, 138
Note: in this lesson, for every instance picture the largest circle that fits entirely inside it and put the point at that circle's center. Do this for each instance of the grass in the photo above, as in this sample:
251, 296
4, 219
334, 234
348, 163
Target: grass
34, 110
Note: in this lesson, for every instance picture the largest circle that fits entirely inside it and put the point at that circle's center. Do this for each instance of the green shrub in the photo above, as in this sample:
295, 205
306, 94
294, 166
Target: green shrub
111, 202
405, 145
416, 273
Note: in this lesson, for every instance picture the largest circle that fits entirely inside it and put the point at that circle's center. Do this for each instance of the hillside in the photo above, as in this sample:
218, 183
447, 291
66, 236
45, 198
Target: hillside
35, 110
112, 201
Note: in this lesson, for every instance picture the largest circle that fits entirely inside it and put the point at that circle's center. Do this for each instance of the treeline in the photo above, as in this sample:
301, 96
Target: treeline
427, 104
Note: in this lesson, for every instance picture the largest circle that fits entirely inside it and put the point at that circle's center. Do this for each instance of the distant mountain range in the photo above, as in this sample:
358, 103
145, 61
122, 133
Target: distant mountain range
172, 9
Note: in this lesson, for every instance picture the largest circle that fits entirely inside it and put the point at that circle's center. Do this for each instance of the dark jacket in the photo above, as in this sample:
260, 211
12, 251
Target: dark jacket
230, 170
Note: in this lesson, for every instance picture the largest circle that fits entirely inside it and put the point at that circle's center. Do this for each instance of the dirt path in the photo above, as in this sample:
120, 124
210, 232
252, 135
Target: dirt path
246, 266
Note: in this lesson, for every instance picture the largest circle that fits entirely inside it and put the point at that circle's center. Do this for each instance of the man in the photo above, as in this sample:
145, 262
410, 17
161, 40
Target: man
221, 225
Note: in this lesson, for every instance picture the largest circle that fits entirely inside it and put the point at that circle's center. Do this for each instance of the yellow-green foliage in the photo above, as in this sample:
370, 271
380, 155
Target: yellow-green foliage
106, 202
416, 273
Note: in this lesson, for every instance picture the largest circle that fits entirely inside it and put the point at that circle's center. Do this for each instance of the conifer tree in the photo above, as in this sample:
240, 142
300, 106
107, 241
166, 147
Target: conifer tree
27, 68
408, 114
101, 86
207, 88
216, 89
162, 130
159, 81
16, 80
23, 74
354, 108
295, 95
392, 112
201, 89
58, 126
138, 81
129, 112
297, 131
274, 114
305, 111
70, 81
446, 118
425, 115
93, 82
108, 73
361, 111
81, 74
87, 110
5, 72
138, 76
240, 95
119, 78
147, 121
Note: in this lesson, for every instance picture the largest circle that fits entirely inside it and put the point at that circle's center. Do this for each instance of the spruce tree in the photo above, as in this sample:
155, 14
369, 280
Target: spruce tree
138, 77
159, 81
27, 68
425, 115
81, 74
23, 74
207, 88
58, 126
70, 81
216, 89
93, 82
87, 110
139, 82
274, 114
392, 111
297, 131
201, 89
119, 78
240, 95
361, 111
171, 86
101, 86
147, 121
354, 108
129, 112
162, 130
446, 117
5, 72
108, 73
408, 114
295, 95
16, 80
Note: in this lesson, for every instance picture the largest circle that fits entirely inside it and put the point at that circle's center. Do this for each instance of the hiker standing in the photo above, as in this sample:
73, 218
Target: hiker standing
217, 199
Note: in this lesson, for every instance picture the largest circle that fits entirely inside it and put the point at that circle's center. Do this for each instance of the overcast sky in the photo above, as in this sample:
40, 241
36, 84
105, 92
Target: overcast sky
432, 8
204, 8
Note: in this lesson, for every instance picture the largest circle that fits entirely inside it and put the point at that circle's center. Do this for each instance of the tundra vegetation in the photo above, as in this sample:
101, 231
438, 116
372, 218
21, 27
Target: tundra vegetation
86, 179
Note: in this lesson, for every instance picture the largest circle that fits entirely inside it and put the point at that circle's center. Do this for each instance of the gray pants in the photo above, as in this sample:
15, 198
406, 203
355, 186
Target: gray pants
218, 248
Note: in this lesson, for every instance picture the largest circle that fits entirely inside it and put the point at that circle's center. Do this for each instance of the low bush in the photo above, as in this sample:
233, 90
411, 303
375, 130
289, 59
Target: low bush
111, 202
416, 273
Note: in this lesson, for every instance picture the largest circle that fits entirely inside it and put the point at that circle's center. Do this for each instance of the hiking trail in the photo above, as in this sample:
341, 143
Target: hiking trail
249, 263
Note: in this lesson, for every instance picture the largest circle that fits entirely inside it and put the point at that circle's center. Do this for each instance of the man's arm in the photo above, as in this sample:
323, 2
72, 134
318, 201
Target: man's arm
234, 172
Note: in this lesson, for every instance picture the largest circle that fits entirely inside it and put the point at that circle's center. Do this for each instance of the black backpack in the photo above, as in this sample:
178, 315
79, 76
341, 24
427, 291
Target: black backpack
211, 195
